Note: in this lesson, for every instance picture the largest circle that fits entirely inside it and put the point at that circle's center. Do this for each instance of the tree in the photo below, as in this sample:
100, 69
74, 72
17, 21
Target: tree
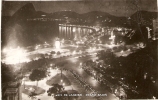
7, 74
37, 74
58, 53
56, 88
32, 95
52, 52
108, 56
61, 65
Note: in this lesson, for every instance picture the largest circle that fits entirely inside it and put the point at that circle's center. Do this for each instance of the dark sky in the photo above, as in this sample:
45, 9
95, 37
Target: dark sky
114, 7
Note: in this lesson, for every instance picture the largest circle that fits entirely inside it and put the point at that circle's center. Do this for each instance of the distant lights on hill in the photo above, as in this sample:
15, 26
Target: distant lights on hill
43, 15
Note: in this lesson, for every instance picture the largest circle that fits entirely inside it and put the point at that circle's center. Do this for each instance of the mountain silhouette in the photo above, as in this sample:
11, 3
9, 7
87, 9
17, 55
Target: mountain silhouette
62, 14
96, 13
26, 11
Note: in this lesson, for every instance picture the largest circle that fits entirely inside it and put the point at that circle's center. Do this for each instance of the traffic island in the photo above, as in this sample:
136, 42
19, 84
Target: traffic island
59, 79
32, 90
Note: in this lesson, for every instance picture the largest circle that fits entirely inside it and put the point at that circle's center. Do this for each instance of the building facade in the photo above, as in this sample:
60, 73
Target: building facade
13, 91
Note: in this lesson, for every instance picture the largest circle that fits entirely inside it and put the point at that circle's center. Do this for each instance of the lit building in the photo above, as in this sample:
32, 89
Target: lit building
67, 31
112, 37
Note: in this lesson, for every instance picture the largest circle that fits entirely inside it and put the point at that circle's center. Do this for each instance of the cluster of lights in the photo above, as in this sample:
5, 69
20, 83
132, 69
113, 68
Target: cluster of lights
119, 29
37, 46
15, 56
62, 82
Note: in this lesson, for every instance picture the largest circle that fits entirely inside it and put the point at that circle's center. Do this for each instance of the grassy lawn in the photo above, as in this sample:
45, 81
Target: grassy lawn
57, 79
32, 88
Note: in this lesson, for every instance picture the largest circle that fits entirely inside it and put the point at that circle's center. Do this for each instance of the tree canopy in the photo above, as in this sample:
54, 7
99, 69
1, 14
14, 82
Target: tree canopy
7, 74
56, 88
37, 74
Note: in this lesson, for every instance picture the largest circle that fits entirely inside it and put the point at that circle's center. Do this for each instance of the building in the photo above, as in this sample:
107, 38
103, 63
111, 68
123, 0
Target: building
155, 28
68, 31
13, 91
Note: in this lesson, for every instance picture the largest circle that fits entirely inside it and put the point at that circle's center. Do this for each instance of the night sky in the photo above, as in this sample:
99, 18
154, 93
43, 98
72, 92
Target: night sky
114, 7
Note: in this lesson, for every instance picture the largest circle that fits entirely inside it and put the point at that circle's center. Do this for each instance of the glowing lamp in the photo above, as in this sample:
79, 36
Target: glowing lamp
57, 44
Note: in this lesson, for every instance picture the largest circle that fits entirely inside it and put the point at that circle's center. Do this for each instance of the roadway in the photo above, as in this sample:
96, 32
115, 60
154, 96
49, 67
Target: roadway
73, 63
